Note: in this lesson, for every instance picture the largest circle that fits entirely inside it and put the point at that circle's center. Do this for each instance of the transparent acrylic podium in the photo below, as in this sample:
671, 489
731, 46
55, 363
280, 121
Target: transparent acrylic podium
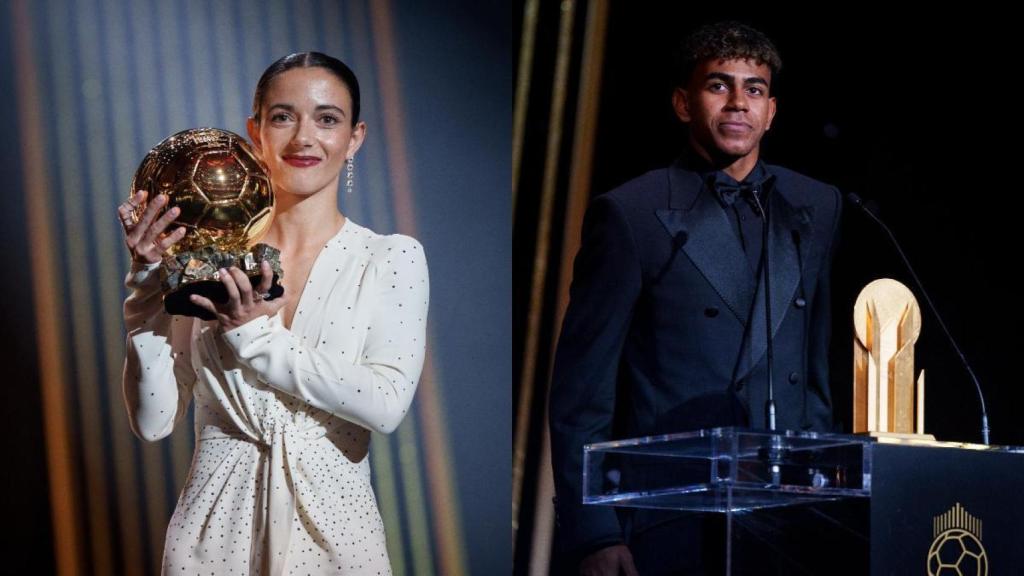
730, 470
754, 502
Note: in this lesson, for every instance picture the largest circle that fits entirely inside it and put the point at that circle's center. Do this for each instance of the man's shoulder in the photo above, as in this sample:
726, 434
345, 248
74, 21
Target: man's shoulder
648, 188
801, 186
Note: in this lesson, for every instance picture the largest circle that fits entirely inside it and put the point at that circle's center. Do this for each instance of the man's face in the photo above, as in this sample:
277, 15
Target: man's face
727, 107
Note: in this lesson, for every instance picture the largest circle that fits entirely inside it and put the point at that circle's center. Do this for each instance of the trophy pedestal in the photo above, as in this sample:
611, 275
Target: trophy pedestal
195, 272
900, 436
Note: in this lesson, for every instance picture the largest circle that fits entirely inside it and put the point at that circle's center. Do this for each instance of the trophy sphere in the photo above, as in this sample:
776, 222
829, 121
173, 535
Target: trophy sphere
220, 186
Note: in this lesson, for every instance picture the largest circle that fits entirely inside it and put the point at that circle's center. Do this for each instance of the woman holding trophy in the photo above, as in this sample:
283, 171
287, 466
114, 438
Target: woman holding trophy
287, 389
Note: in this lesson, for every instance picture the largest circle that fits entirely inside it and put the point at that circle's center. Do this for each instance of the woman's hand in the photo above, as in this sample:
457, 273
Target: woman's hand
145, 236
244, 303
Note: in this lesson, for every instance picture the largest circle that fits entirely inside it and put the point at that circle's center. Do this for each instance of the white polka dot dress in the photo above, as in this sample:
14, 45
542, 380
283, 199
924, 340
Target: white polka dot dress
280, 481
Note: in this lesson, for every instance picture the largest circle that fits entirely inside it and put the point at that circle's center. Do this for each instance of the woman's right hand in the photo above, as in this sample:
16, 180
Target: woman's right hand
145, 238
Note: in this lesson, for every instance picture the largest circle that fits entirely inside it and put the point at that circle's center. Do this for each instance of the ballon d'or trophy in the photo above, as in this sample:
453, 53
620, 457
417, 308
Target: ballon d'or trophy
226, 203
886, 324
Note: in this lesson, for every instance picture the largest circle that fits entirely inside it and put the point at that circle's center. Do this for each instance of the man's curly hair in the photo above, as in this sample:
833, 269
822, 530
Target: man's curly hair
725, 41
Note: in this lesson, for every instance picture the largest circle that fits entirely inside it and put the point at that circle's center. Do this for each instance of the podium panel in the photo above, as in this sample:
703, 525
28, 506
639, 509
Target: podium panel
736, 501
950, 511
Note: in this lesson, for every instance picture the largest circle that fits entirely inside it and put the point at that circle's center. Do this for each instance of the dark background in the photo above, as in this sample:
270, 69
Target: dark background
27, 542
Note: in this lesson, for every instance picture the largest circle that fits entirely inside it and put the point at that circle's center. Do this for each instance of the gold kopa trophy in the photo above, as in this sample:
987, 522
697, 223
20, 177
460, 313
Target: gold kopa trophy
226, 203
887, 323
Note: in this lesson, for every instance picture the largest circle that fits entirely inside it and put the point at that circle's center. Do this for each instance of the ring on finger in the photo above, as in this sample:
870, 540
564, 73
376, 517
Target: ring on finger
132, 216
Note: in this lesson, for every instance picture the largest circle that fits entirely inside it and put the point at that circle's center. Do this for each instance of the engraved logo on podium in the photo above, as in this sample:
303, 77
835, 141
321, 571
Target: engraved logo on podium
957, 549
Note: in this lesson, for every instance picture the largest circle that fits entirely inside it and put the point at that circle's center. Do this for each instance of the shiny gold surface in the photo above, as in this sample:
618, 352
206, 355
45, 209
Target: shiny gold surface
887, 324
222, 189
226, 204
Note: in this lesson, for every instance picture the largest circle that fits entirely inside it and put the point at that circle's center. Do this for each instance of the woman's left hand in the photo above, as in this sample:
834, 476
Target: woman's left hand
244, 303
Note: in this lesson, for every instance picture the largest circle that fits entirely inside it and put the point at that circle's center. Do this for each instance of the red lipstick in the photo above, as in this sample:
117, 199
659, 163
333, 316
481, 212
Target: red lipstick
302, 161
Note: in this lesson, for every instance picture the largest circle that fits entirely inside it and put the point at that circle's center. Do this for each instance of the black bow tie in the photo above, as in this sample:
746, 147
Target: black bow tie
729, 190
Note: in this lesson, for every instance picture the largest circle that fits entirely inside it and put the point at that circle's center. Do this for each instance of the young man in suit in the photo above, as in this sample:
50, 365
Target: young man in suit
666, 325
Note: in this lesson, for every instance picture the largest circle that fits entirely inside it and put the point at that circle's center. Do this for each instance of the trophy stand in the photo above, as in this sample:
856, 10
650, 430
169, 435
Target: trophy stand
195, 272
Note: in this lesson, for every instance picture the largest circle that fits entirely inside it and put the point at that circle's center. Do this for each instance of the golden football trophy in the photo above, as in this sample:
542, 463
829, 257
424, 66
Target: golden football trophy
886, 324
226, 203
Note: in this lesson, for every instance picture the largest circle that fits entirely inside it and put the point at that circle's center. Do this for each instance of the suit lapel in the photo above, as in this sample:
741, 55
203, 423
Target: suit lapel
789, 241
698, 222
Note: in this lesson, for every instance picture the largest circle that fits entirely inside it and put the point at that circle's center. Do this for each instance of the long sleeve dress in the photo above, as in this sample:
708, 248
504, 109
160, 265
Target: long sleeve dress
280, 481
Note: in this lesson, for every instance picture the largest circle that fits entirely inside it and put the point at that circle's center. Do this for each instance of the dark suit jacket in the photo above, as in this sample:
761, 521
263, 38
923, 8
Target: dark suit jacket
655, 336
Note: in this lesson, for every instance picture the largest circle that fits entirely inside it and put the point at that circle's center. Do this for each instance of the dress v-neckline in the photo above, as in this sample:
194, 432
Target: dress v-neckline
312, 270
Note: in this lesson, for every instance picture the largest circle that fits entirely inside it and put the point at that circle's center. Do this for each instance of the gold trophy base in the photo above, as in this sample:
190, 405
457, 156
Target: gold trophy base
195, 272
898, 436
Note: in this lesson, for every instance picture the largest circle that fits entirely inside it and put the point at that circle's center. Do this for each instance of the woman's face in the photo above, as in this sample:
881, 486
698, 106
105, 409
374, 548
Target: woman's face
305, 131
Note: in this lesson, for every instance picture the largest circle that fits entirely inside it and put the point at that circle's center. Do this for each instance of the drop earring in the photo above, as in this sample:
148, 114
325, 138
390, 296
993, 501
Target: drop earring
349, 168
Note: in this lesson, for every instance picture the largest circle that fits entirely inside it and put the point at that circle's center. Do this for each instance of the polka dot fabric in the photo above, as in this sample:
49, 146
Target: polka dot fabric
280, 481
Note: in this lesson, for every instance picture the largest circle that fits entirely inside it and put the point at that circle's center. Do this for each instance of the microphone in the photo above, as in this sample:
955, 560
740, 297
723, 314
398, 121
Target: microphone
856, 201
775, 451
